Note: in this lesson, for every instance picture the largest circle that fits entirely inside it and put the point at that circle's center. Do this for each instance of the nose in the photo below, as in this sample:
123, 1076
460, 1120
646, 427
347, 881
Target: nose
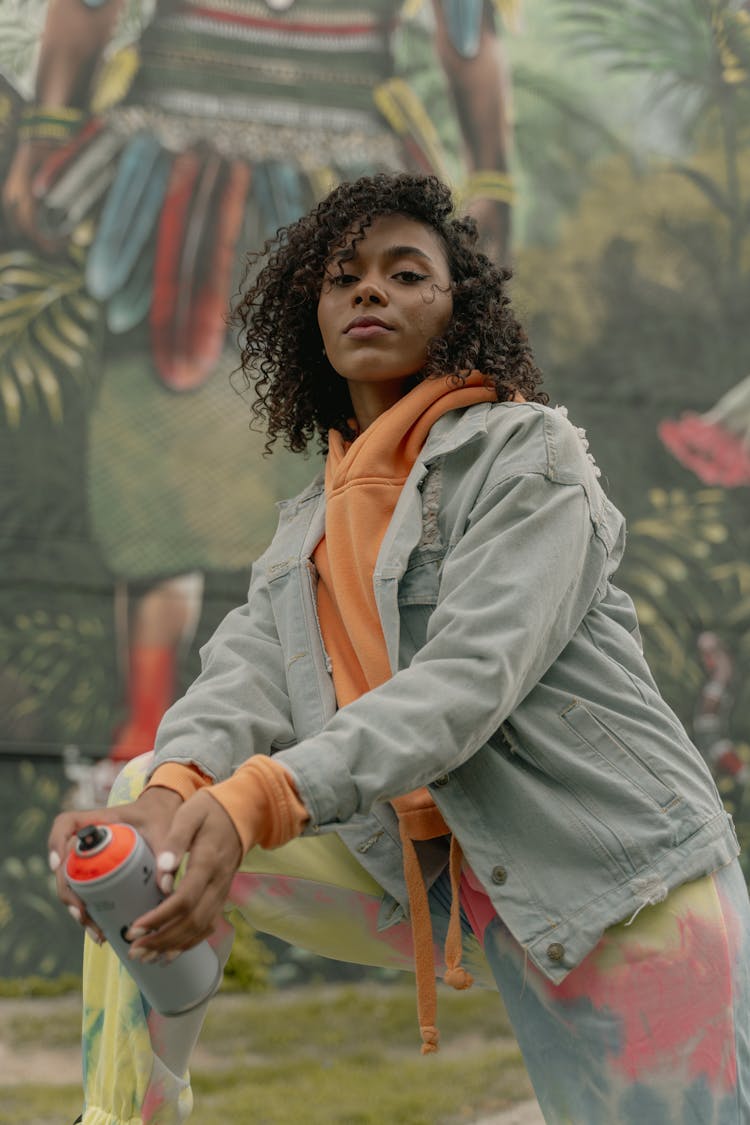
370, 293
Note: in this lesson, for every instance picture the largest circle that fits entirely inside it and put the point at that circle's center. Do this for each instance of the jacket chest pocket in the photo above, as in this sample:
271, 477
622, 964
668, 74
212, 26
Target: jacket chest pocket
420, 584
417, 597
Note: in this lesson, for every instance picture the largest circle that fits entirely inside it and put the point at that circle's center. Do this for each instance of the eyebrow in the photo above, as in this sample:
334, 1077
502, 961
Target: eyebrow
392, 253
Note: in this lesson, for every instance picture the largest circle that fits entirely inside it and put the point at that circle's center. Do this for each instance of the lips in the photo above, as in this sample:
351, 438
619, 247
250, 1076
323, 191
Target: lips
363, 326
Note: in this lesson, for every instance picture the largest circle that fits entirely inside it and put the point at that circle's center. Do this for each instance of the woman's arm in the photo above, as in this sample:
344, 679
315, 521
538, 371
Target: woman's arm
72, 43
480, 82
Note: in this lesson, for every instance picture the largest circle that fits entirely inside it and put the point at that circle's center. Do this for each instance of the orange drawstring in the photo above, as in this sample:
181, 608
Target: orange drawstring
456, 975
427, 824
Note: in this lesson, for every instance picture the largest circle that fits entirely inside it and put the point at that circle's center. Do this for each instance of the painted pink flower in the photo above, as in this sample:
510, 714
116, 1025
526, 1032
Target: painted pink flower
715, 455
716, 445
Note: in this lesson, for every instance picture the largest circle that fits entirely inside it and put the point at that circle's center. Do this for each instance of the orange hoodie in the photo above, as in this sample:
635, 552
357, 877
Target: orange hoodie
363, 483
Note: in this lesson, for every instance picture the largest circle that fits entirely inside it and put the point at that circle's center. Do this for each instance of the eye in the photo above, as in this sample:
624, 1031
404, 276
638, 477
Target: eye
410, 277
340, 279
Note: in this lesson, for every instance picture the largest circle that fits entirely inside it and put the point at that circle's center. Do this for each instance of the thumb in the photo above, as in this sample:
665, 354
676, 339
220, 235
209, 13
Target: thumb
186, 823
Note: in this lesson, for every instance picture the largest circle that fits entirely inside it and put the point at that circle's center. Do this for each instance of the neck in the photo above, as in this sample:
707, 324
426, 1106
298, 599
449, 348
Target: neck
370, 400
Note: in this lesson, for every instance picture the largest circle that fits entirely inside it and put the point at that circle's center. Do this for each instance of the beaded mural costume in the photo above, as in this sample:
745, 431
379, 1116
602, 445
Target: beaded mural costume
225, 121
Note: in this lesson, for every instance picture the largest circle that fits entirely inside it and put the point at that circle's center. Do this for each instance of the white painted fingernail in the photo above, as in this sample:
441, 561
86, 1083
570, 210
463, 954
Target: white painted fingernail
75, 913
54, 861
137, 954
135, 932
167, 861
93, 935
166, 882
150, 957
171, 956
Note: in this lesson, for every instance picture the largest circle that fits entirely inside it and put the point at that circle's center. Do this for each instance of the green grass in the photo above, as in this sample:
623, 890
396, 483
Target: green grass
361, 1089
40, 1105
40, 986
330, 1018
327, 1055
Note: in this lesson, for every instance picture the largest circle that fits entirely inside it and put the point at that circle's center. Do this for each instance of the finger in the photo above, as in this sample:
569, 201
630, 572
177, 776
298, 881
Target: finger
77, 908
190, 818
78, 915
60, 843
67, 825
173, 939
167, 865
188, 915
203, 828
193, 907
185, 916
185, 932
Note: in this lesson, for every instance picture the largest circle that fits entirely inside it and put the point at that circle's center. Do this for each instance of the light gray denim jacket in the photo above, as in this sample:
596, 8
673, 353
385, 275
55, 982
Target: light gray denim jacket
519, 693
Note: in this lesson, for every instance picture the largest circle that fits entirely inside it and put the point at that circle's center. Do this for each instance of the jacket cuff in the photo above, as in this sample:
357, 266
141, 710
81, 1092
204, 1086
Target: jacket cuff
180, 778
262, 802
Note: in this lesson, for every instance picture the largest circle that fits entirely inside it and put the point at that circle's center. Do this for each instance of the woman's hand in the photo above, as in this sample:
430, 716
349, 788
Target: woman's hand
18, 200
203, 828
152, 814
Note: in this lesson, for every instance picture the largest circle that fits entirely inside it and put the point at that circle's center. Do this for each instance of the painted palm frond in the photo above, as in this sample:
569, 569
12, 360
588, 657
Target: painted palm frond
686, 538
697, 49
48, 327
637, 35
697, 54
21, 26
558, 135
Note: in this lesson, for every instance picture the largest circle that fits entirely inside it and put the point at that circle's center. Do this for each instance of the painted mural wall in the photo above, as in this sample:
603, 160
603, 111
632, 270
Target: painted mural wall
147, 145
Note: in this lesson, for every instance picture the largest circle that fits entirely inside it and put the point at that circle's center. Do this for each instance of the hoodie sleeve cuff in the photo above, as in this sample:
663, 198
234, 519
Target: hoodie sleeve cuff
180, 778
262, 802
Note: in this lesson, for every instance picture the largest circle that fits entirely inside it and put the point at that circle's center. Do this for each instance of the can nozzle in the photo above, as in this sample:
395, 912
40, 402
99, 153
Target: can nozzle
91, 837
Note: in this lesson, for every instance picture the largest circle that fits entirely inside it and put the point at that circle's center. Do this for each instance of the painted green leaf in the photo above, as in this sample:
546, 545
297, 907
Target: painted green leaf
48, 330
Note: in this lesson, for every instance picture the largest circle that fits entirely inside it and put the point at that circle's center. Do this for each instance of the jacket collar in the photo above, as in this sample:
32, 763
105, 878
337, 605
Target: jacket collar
452, 431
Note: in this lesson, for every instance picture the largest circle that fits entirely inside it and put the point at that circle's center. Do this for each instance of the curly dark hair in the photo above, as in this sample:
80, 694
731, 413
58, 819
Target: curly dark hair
298, 393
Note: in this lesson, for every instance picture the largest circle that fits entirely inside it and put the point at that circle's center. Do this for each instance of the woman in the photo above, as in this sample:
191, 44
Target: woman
435, 684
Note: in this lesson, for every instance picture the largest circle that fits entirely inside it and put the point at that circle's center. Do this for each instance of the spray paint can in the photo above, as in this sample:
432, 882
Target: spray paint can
112, 870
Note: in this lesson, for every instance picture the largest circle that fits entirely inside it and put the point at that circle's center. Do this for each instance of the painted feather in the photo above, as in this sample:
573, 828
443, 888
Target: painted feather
282, 192
54, 165
130, 304
167, 297
129, 215
210, 304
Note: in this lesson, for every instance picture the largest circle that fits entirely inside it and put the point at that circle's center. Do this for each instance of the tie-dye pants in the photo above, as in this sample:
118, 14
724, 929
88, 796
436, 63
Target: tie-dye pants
652, 1028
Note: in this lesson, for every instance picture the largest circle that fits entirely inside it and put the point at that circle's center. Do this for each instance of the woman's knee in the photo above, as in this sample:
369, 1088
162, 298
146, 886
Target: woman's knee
131, 780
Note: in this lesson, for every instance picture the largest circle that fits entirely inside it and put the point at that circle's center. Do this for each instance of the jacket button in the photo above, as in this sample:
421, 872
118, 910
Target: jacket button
555, 952
499, 875
439, 782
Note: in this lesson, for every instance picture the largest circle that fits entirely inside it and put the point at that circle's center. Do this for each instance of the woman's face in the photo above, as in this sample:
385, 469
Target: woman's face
379, 309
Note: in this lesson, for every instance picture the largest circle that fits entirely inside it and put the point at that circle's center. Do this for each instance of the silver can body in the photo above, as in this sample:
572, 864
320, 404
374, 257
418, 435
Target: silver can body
114, 901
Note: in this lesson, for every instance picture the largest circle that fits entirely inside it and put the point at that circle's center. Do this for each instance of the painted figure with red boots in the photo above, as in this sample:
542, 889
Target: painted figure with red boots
156, 166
